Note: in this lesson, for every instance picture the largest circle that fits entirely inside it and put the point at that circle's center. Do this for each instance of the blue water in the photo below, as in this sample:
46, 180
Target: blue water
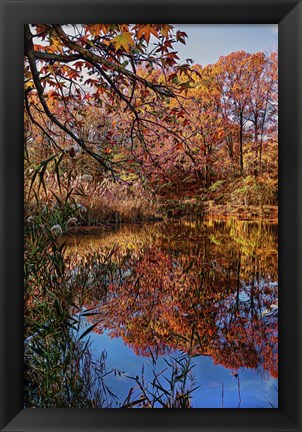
237, 262
257, 388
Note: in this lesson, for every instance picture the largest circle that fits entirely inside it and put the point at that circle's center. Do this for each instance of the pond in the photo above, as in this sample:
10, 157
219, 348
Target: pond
191, 307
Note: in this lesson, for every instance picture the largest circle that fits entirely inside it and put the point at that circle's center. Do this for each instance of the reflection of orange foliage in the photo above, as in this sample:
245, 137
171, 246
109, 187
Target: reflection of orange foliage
209, 288
170, 301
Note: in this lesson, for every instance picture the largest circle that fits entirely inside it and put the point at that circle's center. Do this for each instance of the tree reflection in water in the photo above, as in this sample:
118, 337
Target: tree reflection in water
205, 288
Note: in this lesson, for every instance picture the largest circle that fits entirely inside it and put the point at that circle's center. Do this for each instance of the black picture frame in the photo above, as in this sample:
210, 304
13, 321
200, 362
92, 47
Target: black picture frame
14, 14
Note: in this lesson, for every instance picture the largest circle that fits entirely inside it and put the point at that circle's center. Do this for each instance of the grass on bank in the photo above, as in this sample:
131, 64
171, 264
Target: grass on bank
107, 202
92, 202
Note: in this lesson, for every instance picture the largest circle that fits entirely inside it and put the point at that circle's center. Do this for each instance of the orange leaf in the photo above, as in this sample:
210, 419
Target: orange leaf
55, 44
166, 29
123, 41
145, 32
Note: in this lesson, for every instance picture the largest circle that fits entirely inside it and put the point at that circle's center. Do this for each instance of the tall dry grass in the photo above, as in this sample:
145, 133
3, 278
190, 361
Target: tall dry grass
91, 201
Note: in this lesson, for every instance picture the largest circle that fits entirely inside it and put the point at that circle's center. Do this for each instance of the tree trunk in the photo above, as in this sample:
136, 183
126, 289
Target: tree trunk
241, 143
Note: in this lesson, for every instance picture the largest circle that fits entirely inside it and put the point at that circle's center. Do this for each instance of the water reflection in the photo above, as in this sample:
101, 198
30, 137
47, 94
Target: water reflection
205, 288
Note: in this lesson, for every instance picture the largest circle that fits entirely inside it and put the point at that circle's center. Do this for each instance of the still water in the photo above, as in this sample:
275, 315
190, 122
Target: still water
197, 293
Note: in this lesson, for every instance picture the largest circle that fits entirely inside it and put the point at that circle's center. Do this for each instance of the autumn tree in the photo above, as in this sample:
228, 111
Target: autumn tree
247, 83
118, 94
69, 68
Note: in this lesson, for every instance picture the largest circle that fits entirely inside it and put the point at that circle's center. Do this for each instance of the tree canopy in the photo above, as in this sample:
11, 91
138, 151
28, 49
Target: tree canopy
112, 67
119, 94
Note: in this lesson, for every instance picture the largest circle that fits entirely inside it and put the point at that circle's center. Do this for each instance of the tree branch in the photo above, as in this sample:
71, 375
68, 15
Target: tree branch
94, 58
56, 57
29, 51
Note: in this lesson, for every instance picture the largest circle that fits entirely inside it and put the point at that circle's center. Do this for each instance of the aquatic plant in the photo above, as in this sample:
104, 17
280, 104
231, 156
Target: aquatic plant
171, 387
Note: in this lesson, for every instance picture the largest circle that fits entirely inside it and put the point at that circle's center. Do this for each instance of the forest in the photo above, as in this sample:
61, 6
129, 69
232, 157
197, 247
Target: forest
150, 208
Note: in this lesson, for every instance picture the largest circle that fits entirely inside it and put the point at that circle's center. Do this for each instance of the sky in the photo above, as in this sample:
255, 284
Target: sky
207, 42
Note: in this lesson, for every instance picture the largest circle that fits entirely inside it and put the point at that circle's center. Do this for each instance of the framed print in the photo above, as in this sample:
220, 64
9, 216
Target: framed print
151, 193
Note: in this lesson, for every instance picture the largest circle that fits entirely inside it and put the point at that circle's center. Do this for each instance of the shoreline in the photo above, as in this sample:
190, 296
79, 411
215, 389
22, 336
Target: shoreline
223, 213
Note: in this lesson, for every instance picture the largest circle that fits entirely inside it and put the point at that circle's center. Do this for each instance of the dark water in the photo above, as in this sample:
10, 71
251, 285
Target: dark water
208, 289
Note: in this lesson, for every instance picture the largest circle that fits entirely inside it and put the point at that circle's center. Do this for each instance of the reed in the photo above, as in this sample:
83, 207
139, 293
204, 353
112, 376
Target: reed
59, 368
